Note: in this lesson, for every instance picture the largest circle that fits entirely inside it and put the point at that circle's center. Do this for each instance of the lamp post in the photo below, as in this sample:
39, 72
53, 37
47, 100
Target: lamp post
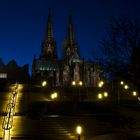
118, 90
79, 131
100, 96
44, 83
54, 96
73, 83
126, 88
105, 94
100, 84
134, 93
78, 84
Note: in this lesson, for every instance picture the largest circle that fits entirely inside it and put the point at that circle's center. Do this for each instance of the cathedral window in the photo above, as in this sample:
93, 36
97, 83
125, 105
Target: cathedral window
49, 48
68, 51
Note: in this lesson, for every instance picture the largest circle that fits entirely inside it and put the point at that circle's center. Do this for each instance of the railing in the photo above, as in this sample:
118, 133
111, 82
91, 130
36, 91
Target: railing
10, 110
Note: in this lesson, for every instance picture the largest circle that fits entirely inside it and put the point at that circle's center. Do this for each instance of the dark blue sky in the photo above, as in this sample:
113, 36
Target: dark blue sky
23, 24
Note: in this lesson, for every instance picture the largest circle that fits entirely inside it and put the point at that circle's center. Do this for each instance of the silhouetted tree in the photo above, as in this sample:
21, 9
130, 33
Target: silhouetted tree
135, 67
123, 35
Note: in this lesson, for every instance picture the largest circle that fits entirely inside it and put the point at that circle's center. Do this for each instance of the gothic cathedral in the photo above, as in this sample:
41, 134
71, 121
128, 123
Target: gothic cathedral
70, 68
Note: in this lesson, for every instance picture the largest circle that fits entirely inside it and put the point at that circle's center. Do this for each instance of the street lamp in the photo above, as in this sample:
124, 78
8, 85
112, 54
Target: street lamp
100, 96
100, 84
79, 131
80, 83
134, 93
44, 83
77, 84
54, 95
73, 83
121, 82
105, 94
126, 87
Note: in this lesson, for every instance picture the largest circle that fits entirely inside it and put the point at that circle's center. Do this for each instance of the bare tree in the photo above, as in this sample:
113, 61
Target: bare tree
123, 35
117, 52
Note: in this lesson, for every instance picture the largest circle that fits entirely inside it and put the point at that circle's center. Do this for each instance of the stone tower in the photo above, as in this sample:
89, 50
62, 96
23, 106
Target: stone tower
48, 50
46, 66
70, 56
70, 48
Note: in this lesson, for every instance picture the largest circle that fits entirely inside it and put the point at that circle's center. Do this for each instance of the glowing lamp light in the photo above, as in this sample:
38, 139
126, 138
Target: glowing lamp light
73, 83
105, 94
55, 95
121, 82
52, 96
125, 86
134, 93
79, 130
80, 83
100, 96
100, 84
44, 83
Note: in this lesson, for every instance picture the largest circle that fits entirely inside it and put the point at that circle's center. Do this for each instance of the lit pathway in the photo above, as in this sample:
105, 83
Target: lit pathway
7, 122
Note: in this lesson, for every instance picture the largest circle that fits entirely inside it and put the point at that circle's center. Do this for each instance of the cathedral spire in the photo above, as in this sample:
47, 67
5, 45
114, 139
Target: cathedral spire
49, 33
70, 35
48, 50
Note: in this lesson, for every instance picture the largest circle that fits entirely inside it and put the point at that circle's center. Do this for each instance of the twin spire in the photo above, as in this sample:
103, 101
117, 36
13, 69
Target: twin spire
70, 33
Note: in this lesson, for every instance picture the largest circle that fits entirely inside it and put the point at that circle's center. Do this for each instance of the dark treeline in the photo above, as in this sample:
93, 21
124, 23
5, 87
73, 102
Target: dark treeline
120, 50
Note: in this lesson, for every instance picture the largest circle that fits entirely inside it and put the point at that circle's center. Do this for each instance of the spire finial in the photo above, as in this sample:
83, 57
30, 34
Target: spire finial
70, 29
70, 11
70, 16
49, 12
49, 33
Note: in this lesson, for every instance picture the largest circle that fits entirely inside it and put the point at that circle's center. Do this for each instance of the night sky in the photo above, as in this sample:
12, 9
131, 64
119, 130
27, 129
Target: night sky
23, 24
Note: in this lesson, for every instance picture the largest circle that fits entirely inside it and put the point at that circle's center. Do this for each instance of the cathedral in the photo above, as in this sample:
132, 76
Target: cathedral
71, 67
